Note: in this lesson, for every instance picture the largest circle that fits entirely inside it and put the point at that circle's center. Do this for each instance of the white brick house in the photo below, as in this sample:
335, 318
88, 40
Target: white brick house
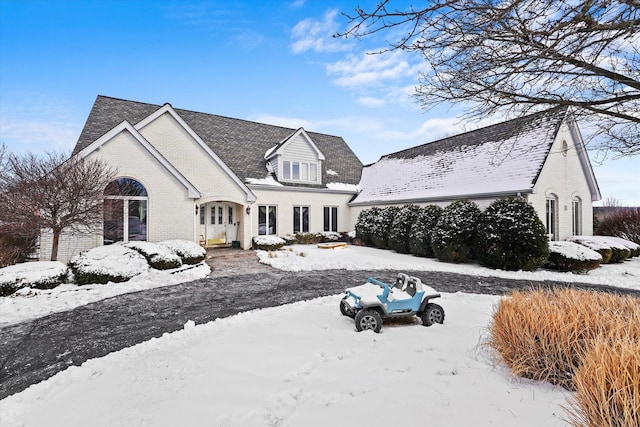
540, 157
202, 177
217, 180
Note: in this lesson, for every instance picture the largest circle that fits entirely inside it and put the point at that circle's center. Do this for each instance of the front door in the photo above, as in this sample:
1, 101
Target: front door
217, 223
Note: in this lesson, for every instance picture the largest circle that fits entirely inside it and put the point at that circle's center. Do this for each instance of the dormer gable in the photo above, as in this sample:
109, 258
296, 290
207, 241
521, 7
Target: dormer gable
296, 159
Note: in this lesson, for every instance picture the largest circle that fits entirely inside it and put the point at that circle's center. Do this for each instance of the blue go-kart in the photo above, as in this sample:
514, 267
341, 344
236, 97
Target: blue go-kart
374, 301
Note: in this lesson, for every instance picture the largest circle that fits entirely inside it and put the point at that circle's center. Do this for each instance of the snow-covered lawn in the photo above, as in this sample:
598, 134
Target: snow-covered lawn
27, 304
302, 364
297, 365
310, 257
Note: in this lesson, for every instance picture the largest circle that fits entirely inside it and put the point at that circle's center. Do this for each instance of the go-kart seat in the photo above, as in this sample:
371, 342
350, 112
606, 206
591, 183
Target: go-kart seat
413, 285
401, 281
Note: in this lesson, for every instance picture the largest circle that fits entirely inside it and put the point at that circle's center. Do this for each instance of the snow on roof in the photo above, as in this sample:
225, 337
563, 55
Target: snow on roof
269, 180
503, 158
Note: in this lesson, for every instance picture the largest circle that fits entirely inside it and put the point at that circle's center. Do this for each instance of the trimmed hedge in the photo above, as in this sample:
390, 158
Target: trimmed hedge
455, 232
268, 243
364, 225
189, 252
422, 229
39, 275
400, 232
570, 256
510, 236
104, 264
382, 226
158, 256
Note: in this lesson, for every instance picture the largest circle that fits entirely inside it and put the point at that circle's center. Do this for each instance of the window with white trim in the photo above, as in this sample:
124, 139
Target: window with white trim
576, 216
331, 218
125, 211
301, 219
267, 219
551, 217
299, 171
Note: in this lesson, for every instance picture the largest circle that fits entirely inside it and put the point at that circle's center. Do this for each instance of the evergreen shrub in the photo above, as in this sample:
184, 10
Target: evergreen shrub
452, 238
510, 236
421, 230
364, 225
382, 226
401, 228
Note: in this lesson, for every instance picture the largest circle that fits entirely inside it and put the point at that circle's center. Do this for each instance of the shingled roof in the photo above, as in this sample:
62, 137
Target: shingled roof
240, 144
505, 158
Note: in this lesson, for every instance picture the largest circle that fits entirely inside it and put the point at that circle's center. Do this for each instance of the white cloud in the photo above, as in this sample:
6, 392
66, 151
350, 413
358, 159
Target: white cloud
371, 69
38, 125
297, 4
317, 36
371, 102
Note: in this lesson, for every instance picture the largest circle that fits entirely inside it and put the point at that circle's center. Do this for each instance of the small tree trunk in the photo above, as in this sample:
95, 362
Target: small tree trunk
54, 246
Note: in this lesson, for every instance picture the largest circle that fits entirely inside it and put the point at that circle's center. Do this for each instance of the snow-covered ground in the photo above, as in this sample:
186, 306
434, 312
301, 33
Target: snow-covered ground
27, 304
304, 364
297, 365
310, 257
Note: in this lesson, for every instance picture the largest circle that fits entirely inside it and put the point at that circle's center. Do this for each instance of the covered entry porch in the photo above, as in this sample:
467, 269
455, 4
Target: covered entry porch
219, 224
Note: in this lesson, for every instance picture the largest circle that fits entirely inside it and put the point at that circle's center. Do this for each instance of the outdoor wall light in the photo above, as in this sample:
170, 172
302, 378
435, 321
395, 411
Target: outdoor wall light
248, 210
196, 209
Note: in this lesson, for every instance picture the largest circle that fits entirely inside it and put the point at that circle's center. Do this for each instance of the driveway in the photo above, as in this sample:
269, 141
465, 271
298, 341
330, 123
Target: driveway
33, 351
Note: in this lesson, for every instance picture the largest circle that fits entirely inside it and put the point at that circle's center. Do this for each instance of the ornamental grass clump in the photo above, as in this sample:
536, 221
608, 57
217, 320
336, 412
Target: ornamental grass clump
544, 335
608, 385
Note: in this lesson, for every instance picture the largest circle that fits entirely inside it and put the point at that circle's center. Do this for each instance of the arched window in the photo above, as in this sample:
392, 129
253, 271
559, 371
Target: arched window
125, 211
576, 214
552, 217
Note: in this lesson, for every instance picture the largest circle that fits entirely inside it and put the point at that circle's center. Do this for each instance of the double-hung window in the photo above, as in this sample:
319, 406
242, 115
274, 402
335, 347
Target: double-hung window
301, 219
331, 218
576, 211
300, 171
551, 221
267, 218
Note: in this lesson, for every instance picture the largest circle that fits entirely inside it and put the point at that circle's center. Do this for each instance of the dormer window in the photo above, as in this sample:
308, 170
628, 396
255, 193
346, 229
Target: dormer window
296, 159
299, 171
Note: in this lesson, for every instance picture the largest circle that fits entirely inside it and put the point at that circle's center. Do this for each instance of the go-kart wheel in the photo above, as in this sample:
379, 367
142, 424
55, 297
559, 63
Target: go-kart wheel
433, 313
346, 310
368, 319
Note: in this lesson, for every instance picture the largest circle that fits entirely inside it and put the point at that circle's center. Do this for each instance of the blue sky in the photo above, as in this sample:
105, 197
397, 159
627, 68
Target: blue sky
267, 61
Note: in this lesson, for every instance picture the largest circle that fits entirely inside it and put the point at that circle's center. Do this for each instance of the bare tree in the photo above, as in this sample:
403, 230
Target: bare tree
52, 192
517, 56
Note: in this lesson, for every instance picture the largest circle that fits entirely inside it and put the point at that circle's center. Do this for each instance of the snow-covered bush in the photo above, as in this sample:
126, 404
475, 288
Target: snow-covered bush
40, 275
308, 238
189, 252
510, 236
112, 263
570, 256
382, 226
634, 248
624, 223
453, 237
401, 228
364, 225
421, 230
611, 251
289, 239
268, 243
158, 256
330, 236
